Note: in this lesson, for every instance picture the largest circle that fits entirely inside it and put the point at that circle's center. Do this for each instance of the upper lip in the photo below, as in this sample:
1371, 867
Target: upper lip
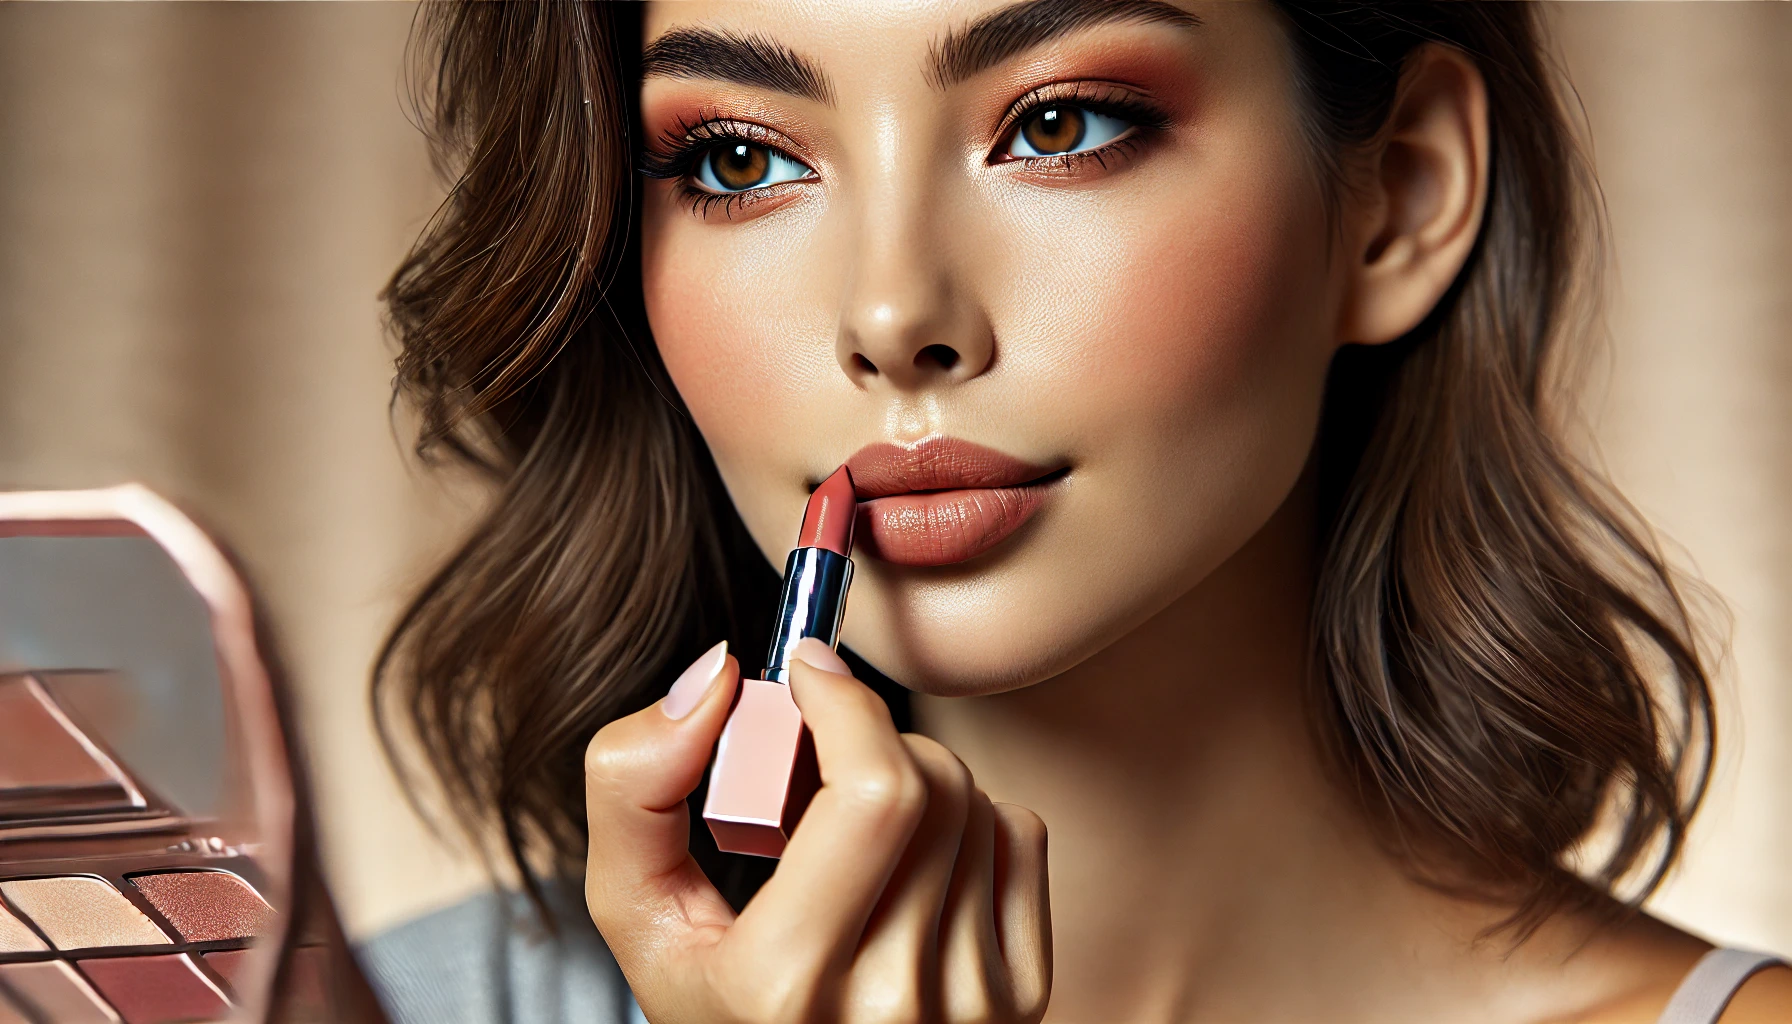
936, 463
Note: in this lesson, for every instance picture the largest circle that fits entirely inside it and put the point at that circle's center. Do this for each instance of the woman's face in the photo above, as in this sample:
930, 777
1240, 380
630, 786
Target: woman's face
1052, 275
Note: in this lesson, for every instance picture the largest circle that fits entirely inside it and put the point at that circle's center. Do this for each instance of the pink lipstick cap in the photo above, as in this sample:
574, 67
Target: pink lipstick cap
765, 772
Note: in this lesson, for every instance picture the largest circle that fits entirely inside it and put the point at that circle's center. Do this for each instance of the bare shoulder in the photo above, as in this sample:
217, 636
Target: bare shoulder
1652, 958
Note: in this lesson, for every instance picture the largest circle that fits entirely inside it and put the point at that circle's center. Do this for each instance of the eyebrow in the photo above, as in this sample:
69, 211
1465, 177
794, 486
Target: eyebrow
1001, 34
734, 57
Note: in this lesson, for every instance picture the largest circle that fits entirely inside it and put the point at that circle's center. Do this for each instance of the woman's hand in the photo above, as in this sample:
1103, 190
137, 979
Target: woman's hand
904, 895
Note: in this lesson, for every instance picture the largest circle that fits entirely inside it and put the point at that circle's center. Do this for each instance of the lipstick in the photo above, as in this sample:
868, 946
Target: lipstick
765, 772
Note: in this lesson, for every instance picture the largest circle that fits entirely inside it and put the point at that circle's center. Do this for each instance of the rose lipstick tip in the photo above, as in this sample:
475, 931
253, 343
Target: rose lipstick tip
827, 521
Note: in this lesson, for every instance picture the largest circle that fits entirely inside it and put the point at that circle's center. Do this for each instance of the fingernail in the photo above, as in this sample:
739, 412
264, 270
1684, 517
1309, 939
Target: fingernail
690, 687
816, 654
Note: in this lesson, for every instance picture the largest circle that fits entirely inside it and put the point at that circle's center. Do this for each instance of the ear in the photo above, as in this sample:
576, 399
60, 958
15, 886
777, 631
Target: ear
1416, 208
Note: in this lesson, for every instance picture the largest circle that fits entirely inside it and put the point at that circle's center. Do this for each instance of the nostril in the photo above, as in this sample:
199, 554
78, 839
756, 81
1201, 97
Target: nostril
945, 355
859, 362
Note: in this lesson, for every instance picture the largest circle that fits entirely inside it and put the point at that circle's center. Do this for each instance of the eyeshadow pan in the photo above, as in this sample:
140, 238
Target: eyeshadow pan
10, 1012
205, 906
157, 989
82, 912
228, 964
53, 991
47, 766
56, 756
16, 936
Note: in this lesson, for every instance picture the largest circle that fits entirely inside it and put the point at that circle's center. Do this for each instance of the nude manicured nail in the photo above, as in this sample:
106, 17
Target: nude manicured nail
816, 654
687, 692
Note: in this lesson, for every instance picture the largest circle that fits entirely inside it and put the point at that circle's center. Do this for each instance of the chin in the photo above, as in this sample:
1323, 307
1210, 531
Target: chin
1005, 621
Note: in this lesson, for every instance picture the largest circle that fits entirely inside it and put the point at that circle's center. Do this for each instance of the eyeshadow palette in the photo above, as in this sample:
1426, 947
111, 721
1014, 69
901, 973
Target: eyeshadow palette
149, 934
147, 805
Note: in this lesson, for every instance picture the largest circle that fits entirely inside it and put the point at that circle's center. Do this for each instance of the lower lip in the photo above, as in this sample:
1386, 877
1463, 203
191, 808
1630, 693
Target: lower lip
945, 527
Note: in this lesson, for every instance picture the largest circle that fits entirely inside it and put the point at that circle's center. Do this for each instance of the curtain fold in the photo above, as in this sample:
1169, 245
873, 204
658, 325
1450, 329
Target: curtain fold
1692, 404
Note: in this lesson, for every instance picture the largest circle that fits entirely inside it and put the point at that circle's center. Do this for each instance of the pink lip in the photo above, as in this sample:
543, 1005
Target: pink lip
941, 500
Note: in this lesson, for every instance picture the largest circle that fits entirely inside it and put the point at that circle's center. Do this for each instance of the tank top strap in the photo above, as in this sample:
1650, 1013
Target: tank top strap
1707, 988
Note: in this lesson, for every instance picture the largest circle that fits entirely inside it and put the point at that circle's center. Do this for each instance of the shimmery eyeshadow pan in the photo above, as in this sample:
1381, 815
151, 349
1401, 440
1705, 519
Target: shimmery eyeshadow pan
207, 906
54, 992
157, 989
82, 912
16, 936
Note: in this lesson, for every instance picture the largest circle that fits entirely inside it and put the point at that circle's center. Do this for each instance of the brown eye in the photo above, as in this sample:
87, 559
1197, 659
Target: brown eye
740, 166
1062, 129
1054, 130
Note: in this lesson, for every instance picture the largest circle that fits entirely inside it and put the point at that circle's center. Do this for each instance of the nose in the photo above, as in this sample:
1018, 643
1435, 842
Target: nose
909, 322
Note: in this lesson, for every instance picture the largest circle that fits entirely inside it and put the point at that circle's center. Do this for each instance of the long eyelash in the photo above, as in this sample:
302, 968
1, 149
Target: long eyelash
1065, 163
702, 202
1096, 96
1109, 100
677, 152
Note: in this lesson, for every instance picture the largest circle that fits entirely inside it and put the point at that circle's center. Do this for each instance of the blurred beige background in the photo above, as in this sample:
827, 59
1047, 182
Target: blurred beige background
198, 203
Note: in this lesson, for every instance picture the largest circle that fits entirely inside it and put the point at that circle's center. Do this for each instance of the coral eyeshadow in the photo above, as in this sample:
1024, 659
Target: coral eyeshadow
206, 906
156, 989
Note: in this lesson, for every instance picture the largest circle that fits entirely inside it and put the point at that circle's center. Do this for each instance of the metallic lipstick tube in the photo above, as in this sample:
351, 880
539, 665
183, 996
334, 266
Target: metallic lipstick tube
765, 771
815, 582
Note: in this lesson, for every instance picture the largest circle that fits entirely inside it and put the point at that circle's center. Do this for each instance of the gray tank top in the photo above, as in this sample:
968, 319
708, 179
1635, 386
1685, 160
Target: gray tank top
487, 961
1707, 988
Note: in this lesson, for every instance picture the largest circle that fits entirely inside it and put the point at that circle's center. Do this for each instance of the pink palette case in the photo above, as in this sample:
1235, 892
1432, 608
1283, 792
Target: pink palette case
148, 806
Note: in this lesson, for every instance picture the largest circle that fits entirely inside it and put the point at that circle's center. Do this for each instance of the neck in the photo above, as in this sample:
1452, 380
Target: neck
1203, 863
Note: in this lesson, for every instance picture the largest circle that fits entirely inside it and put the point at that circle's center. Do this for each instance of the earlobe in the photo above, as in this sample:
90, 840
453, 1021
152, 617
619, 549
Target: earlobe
1413, 218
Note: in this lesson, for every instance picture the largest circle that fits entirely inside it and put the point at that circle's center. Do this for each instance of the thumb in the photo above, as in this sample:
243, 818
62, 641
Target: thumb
641, 885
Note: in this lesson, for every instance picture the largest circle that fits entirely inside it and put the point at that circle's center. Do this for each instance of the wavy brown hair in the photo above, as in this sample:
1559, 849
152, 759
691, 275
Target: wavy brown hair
1507, 665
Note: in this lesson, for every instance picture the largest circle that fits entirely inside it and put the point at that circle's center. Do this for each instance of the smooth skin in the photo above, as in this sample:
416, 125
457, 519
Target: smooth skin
1158, 323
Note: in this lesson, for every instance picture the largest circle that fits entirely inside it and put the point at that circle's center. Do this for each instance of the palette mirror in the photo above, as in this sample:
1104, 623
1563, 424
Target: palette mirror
148, 807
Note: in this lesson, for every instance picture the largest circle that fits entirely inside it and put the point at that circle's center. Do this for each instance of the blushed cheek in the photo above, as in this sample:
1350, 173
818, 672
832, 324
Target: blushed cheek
740, 314
1191, 348
689, 321
715, 352
689, 330
1221, 308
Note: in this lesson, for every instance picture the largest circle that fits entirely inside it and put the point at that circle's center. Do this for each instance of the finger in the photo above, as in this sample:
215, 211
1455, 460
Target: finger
642, 887
901, 939
814, 908
973, 977
1023, 908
